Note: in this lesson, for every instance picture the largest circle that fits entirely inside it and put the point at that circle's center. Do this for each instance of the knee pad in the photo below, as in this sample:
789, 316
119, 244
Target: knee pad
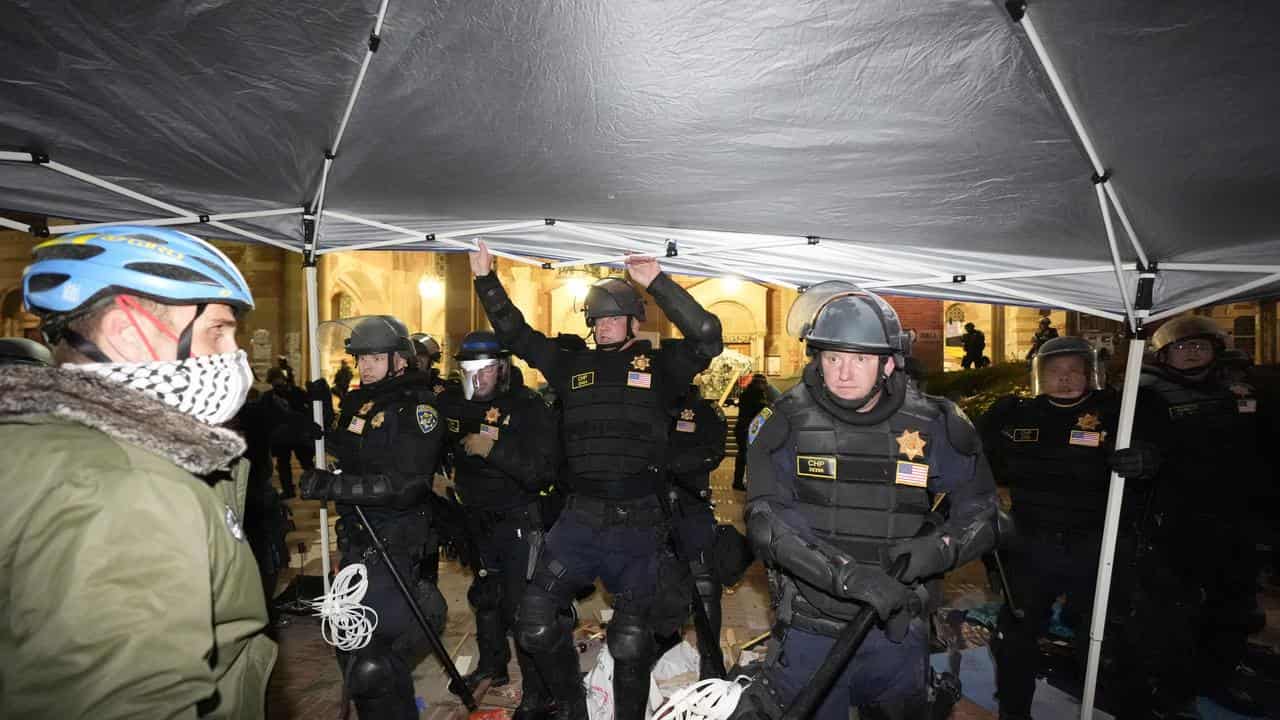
708, 587
540, 623
485, 593
371, 675
630, 639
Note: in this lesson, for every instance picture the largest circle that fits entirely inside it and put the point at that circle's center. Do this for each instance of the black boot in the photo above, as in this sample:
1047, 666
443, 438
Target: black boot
495, 653
709, 596
535, 699
630, 689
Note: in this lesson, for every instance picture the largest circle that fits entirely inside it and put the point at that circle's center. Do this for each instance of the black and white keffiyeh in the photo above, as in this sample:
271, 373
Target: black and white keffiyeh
211, 388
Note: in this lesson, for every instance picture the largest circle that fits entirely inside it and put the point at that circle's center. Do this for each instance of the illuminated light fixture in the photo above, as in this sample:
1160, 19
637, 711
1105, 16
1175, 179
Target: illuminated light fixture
429, 287
578, 287
731, 284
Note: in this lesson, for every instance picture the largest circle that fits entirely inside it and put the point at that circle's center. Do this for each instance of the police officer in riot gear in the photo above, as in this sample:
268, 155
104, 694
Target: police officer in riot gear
503, 439
616, 403
426, 350
842, 474
1195, 432
1044, 334
697, 447
1051, 451
386, 441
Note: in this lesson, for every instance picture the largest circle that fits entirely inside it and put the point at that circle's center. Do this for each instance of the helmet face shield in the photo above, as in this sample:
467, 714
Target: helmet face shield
838, 316
475, 377
1067, 371
803, 310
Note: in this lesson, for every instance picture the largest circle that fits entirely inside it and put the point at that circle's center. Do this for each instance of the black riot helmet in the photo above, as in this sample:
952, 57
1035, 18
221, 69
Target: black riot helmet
612, 296
1094, 370
21, 351
837, 315
479, 350
424, 344
380, 334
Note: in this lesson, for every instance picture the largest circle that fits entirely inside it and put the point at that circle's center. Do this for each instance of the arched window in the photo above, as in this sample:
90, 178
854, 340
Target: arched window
1244, 330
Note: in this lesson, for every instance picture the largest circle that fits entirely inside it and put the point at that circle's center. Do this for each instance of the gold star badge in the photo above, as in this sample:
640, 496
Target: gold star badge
686, 414
1088, 421
377, 420
640, 362
911, 444
365, 408
493, 415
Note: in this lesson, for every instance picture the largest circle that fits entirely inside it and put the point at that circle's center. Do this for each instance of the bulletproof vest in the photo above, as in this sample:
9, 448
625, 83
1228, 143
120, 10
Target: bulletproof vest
615, 422
693, 429
862, 487
1054, 460
371, 420
479, 483
1212, 436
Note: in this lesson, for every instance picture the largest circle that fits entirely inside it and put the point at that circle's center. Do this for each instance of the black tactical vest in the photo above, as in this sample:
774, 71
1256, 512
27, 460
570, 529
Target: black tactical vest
615, 423
1212, 438
1054, 460
479, 483
862, 488
369, 424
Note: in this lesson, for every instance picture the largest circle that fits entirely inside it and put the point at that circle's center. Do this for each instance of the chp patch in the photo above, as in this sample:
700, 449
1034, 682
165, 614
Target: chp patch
819, 466
455, 426
758, 422
427, 417
582, 380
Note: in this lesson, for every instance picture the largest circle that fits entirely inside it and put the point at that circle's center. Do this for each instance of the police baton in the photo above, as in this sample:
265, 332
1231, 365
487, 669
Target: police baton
436, 644
701, 620
847, 644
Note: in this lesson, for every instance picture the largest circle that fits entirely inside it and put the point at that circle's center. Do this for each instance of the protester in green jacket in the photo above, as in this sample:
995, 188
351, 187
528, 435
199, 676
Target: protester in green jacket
129, 589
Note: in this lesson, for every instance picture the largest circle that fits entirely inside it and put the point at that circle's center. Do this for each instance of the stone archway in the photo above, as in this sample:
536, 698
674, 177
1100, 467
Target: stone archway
15, 321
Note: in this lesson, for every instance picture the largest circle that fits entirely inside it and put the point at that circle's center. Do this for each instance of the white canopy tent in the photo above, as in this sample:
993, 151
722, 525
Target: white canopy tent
928, 148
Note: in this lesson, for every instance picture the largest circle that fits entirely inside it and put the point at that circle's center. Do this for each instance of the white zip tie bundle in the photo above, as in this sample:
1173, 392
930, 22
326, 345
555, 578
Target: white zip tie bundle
346, 624
704, 700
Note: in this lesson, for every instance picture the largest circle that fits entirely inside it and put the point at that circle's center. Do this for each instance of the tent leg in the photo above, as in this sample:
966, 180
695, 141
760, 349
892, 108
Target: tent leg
317, 410
1110, 532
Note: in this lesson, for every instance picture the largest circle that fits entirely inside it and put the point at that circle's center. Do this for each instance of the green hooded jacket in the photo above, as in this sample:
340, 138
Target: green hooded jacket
127, 589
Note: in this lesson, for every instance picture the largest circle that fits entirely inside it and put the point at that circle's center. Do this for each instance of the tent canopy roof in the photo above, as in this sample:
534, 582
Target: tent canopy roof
919, 140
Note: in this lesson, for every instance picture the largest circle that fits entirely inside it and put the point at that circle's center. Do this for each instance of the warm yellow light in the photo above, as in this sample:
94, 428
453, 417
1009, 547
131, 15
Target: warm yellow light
578, 287
731, 284
429, 288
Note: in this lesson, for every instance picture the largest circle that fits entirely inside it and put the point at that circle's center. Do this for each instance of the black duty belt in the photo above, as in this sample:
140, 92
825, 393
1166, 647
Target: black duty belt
527, 514
601, 512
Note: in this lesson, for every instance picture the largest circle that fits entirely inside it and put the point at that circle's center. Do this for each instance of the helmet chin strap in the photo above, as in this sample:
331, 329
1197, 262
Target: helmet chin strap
130, 306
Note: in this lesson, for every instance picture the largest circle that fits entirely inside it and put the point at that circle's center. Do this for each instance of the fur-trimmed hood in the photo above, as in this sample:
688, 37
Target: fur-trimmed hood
120, 412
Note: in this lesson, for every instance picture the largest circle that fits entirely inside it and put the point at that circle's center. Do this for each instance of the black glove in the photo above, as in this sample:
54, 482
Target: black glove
1138, 461
316, 484
318, 391
315, 432
928, 555
871, 586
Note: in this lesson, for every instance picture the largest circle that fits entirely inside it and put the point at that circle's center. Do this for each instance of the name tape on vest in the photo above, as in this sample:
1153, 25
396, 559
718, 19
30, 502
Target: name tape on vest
819, 466
582, 380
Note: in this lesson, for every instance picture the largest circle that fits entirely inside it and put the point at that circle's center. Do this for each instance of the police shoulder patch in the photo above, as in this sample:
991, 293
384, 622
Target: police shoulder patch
427, 417
756, 423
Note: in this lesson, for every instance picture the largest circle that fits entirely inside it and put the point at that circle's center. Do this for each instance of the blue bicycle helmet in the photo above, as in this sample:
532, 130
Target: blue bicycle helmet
161, 264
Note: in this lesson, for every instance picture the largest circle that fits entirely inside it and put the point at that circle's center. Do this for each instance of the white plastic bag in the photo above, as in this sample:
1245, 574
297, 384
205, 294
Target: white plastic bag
678, 660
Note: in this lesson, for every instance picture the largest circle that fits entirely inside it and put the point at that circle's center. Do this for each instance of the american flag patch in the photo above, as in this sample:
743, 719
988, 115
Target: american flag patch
489, 430
912, 474
685, 426
639, 379
1087, 438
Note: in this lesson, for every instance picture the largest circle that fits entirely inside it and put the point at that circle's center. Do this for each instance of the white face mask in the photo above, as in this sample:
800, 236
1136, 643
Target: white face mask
211, 389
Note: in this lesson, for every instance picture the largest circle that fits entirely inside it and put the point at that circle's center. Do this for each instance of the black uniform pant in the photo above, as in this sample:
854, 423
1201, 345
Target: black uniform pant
622, 543
503, 541
379, 676
1042, 567
696, 531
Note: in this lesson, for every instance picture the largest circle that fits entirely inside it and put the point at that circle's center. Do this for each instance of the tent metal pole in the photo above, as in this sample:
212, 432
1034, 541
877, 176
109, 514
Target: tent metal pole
1011, 275
1115, 495
1214, 297
1115, 255
178, 220
12, 156
1020, 15
702, 252
1198, 267
445, 238
749, 274
121, 190
15, 225
317, 410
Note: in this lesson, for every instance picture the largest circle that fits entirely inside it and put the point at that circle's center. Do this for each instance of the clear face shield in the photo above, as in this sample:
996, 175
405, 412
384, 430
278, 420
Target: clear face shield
479, 382
1067, 375
811, 301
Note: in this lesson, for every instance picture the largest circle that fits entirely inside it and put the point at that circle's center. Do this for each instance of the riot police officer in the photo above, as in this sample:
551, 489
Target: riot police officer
426, 350
697, 447
1044, 334
1051, 451
616, 400
503, 439
1196, 430
386, 440
842, 474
